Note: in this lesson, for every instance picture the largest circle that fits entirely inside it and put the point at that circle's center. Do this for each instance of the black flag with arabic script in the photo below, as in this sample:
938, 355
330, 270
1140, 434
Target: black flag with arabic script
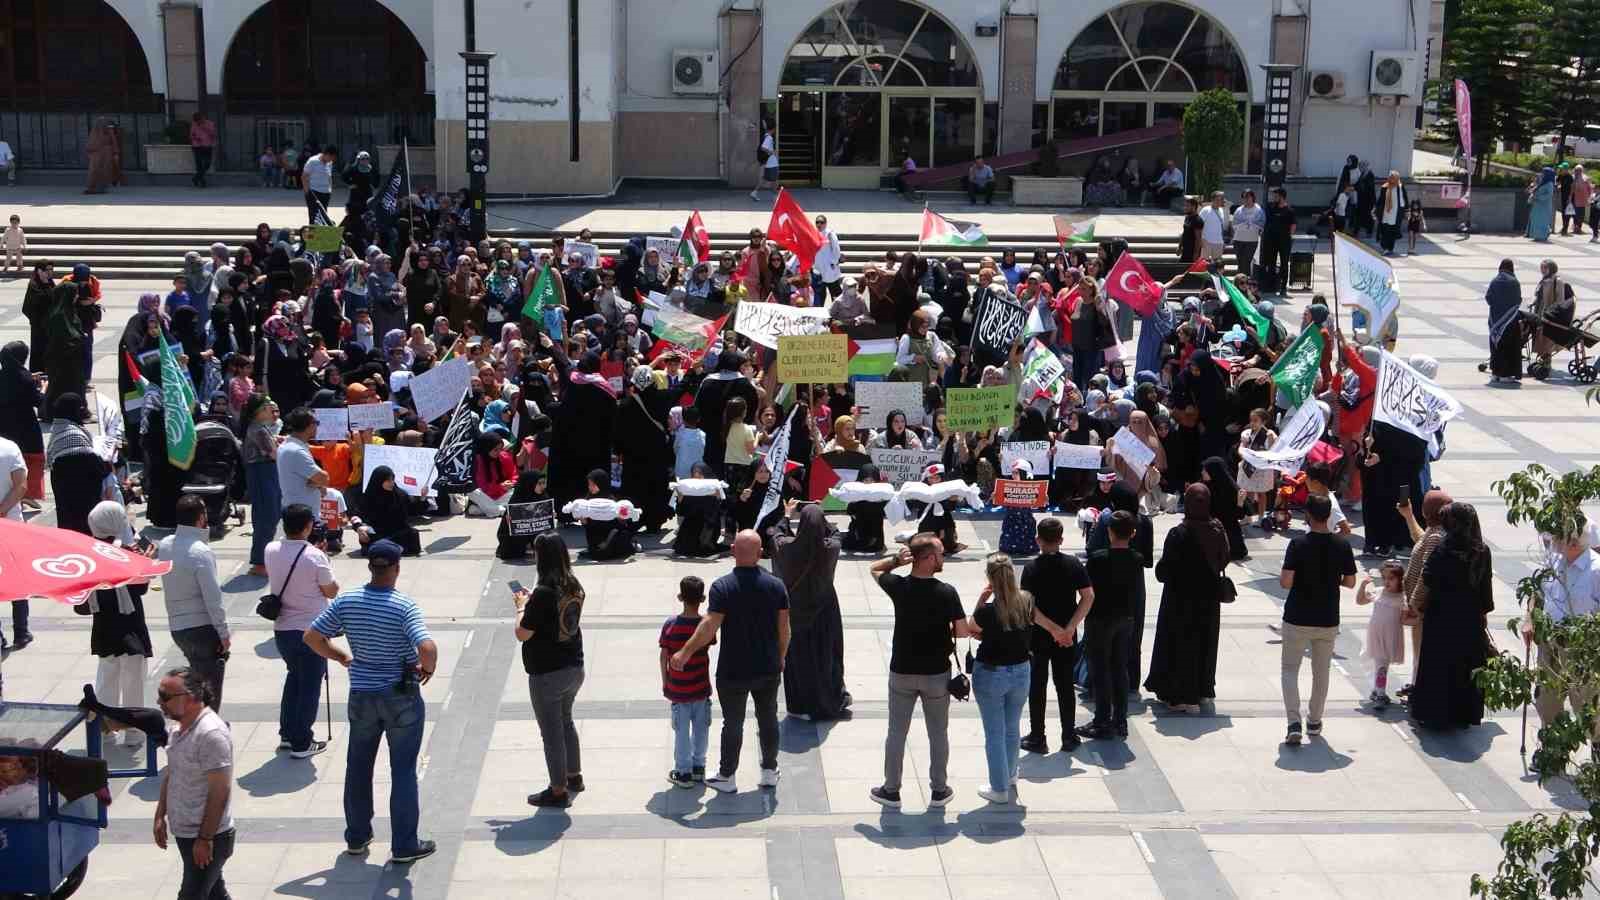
385, 203
453, 462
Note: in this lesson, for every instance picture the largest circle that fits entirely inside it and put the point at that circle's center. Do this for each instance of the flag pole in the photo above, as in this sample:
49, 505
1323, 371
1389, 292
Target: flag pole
1338, 329
919, 226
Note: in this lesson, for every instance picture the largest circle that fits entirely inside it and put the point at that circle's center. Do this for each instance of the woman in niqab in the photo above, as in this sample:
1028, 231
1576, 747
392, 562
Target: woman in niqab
1183, 660
805, 558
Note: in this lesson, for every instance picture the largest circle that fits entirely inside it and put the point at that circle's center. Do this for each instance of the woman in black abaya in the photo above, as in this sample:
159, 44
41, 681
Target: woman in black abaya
1459, 583
641, 438
63, 358
384, 515
1183, 660
813, 673
531, 487
1225, 504
76, 471
581, 426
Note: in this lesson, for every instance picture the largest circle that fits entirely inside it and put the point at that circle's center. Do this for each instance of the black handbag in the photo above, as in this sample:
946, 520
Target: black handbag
960, 686
1227, 592
270, 606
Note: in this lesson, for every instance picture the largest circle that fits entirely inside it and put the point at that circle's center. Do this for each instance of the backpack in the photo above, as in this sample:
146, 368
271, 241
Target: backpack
762, 153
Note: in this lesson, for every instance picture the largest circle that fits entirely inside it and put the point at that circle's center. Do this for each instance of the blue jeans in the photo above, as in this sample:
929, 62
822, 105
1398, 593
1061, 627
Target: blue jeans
397, 719
1002, 692
691, 733
302, 687
266, 506
1085, 365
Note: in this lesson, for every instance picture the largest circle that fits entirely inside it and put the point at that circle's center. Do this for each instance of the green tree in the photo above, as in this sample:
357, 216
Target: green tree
1544, 856
1567, 65
1213, 128
1490, 46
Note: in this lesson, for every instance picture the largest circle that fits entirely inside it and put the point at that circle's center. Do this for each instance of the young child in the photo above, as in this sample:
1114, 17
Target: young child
1386, 644
1255, 485
1344, 210
268, 161
689, 690
16, 245
179, 296
1416, 223
1319, 483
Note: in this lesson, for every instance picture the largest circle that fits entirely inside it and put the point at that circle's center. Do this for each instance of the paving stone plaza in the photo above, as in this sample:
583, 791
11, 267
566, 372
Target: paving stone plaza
1208, 805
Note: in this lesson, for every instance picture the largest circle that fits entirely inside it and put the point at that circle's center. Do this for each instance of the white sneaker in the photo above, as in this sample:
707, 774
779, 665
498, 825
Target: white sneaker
1000, 797
769, 778
753, 196
722, 784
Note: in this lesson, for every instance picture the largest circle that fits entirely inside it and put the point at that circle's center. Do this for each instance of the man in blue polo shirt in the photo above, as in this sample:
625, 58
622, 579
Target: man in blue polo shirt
391, 655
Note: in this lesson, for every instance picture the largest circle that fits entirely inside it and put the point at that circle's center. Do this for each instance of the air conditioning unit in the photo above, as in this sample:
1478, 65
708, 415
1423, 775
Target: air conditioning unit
1327, 84
694, 72
1394, 73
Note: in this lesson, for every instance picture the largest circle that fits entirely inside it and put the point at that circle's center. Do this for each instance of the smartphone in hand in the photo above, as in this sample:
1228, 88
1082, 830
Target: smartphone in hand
516, 586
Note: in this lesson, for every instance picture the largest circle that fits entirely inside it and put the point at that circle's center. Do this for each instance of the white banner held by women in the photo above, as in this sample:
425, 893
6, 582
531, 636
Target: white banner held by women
777, 462
1300, 433
412, 466
1410, 401
764, 322
1365, 279
898, 466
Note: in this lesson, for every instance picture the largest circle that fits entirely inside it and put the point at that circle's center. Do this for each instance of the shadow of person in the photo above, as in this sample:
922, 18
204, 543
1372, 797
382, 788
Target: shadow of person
1190, 726
533, 834
350, 876
1463, 745
268, 649
283, 774
1315, 756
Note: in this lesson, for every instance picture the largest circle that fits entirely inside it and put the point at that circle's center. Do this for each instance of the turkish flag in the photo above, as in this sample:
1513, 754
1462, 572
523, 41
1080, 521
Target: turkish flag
1130, 282
698, 237
793, 230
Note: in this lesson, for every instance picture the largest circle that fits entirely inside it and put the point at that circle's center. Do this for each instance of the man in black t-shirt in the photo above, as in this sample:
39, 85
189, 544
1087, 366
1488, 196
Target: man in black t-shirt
1061, 593
927, 619
752, 607
1315, 566
1117, 576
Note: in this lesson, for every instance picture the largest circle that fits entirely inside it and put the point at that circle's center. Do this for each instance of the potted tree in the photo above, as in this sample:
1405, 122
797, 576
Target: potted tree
173, 156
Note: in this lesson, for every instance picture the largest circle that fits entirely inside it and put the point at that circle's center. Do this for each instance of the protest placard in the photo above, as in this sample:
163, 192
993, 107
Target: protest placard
874, 400
324, 238
978, 409
1037, 453
531, 519
589, 252
332, 424
813, 358
1042, 372
412, 466
1135, 452
666, 246
1014, 494
765, 322
900, 466
436, 391
1078, 456
372, 416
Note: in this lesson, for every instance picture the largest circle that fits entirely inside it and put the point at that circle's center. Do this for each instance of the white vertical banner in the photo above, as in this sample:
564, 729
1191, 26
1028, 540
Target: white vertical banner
1300, 433
777, 461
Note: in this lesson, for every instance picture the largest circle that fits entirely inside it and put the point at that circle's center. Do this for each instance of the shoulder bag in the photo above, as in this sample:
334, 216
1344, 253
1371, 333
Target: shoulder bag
270, 606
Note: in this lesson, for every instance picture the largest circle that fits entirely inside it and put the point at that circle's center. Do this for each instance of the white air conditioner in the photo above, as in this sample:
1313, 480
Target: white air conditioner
1326, 84
694, 72
1394, 74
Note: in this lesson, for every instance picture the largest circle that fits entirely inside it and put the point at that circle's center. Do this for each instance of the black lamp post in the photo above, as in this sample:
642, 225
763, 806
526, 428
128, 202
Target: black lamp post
477, 126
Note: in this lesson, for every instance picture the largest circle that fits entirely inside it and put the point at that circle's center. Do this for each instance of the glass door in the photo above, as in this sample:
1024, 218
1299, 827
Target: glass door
910, 128
955, 130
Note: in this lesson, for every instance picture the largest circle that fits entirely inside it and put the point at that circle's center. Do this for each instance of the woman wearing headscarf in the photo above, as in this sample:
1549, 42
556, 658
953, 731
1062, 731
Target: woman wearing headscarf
388, 302
36, 306
199, 278
282, 365
1202, 384
20, 399
531, 487
326, 314
162, 480
1183, 661
642, 439
396, 354
1393, 459
353, 277
493, 475
1459, 582
1390, 213
384, 515
1141, 483
903, 290
191, 342
844, 436
1225, 504
64, 347
76, 470
1504, 297
424, 288
119, 637
100, 148
895, 435
805, 558
1541, 205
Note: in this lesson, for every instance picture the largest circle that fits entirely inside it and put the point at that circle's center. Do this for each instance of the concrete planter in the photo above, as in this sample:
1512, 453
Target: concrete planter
168, 159
1031, 190
422, 161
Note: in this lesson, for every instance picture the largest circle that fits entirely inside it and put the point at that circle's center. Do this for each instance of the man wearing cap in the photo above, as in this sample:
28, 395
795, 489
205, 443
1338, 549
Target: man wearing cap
391, 656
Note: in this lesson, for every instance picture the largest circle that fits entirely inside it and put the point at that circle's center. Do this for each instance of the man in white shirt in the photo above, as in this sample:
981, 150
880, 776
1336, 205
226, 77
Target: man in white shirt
8, 162
14, 469
1572, 590
299, 573
316, 179
1214, 218
768, 157
300, 479
1169, 185
828, 275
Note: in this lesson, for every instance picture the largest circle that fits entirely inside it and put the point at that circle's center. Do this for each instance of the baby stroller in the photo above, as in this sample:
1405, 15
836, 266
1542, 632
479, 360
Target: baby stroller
1549, 334
217, 465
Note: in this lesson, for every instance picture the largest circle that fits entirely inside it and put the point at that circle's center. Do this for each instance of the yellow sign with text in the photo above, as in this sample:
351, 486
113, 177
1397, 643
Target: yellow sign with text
813, 358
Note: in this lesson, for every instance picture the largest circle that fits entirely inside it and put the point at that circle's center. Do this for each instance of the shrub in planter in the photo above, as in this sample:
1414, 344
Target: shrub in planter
1049, 164
1213, 128
176, 133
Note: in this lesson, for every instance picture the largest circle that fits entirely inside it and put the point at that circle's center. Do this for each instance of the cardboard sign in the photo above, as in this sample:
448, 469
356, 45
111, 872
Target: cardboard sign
438, 390
1078, 456
666, 246
589, 252
371, 416
1135, 452
531, 519
874, 400
332, 424
412, 466
1450, 190
1013, 494
900, 466
324, 238
1037, 453
813, 358
329, 511
998, 323
765, 322
979, 409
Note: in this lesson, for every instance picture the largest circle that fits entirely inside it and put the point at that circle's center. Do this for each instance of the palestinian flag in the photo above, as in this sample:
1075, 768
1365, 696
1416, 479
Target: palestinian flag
829, 470
871, 359
936, 229
133, 400
1070, 232
687, 330
695, 245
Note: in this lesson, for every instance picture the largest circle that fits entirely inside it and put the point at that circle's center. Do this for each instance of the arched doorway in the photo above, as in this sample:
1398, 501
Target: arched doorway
869, 82
1142, 63
349, 74
64, 64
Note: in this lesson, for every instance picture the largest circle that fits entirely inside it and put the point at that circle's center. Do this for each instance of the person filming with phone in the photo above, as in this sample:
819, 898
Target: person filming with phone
391, 656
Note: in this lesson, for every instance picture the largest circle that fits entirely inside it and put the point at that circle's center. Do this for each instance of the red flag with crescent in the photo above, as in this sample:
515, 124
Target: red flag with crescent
1130, 282
793, 230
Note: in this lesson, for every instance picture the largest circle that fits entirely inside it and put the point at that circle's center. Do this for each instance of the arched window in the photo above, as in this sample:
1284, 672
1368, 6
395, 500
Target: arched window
60, 55
1139, 64
870, 83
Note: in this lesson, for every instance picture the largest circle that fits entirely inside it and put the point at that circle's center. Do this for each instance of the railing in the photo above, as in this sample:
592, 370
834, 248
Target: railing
56, 140
242, 137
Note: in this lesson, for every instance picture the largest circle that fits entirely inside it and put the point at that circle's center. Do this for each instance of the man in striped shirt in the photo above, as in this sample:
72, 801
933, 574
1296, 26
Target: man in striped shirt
391, 655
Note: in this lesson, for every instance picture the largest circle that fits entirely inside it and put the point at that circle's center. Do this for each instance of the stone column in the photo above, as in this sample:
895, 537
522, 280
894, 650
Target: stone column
740, 101
1019, 63
186, 73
